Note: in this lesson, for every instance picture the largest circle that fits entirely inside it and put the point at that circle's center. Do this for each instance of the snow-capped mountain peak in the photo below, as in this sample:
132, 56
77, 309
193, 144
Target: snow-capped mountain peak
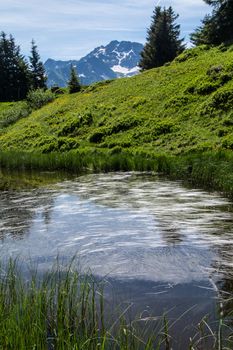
115, 60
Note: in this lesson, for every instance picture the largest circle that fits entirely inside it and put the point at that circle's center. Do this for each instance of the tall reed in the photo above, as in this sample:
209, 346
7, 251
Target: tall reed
60, 309
64, 309
211, 170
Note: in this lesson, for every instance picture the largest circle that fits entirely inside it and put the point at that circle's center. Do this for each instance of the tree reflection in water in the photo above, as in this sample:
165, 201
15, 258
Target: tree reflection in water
19, 210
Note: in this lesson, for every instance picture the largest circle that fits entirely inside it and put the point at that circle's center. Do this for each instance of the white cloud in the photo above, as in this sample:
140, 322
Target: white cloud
61, 27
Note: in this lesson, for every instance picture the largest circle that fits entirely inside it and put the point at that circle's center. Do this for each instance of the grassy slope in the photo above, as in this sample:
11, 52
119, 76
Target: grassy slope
5, 106
174, 109
141, 123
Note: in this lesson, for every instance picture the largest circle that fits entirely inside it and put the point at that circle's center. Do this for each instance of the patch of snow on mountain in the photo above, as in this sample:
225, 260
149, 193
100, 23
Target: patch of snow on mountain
134, 70
124, 70
101, 51
115, 60
122, 57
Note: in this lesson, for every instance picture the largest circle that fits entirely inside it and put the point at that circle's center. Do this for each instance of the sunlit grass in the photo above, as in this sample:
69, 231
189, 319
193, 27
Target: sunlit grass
210, 170
64, 309
183, 107
182, 111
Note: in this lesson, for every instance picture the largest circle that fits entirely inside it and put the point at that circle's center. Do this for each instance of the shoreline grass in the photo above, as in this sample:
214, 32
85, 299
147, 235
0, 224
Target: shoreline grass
208, 170
64, 309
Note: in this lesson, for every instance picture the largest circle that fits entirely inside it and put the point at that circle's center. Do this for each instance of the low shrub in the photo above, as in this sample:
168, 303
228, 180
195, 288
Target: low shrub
53, 144
191, 53
221, 101
138, 101
177, 102
214, 71
227, 142
206, 88
70, 127
215, 77
57, 90
228, 121
98, 85
124, 124
12, 115
222, 132
38, 98
98, 135
86, 119
162, 128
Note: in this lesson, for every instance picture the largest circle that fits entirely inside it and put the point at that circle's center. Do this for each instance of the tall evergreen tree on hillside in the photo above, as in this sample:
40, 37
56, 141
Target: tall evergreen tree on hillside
73, 83
216, 28
163, 42
14, 73
37, 69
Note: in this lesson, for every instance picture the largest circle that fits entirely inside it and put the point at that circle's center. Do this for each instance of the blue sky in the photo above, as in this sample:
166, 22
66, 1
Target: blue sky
69, 29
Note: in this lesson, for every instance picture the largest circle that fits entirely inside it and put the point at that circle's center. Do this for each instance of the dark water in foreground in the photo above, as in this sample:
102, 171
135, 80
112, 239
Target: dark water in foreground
162, 247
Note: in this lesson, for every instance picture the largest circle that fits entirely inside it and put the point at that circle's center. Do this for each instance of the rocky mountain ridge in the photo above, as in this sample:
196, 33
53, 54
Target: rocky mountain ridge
115, 60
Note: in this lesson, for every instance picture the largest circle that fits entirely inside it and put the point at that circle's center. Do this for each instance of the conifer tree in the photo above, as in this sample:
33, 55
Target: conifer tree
73, 83
14, 72
163, 42
38, 76
216, 28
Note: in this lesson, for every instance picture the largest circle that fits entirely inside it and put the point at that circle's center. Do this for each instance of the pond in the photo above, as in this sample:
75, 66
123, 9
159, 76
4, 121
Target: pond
162, 247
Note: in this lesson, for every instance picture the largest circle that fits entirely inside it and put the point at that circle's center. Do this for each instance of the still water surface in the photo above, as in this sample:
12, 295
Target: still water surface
164, 247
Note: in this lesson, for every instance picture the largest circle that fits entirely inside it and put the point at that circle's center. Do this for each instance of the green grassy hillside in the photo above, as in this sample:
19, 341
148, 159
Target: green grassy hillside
183, 109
